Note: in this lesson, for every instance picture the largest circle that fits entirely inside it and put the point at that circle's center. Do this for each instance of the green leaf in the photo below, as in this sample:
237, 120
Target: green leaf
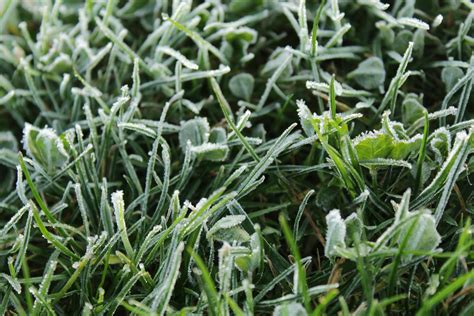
218, 136
305, 116
378, 144
211, 152
231, 234
424, 237
8, 141
354, 227
370, 74
412, 109
226, 222
403, 148
241, 86
373, 145
195, 131
450, 76
243, 6
45, 147
244, 34
441, 144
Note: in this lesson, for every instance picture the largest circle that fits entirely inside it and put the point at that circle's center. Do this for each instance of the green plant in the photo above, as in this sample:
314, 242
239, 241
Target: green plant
236, 157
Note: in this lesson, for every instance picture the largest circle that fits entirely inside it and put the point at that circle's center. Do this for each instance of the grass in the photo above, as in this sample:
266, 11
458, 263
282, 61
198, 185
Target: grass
236, 157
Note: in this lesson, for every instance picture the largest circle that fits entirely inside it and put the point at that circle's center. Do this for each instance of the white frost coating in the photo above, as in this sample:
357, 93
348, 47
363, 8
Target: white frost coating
350, 117
367, 135
437, 21
461, 137
207, 147
226, 222
411, 140
178, 56
119, 103
387, 162
449, 111
375, 3
425, 237
335, 14
118, 203
437, 140
303, 111
20, 187
336, 232
322, 86
414, 22
119, 209
26, 131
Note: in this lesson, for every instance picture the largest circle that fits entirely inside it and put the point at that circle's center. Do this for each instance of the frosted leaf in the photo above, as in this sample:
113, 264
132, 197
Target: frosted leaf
218, 136
403, 148
354, 228
241, 86
324, 87
119, 210
195, 130
15, 284
437, 21
291, 309
423, 237
86, 92
373, 145
8, 141
335, 234
385, 163
139, 128
440, 144
370, 74
305, 115
450, 76
20, 187
178, 56
212, 152
45, 147
119, 205
412, 109
232, 234
375, 3
413, 22
226, 222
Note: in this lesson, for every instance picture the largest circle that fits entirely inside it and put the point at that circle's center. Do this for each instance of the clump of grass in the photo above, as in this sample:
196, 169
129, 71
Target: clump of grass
236, 157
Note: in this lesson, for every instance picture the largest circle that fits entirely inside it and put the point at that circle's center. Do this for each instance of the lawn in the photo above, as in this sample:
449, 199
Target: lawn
236, 157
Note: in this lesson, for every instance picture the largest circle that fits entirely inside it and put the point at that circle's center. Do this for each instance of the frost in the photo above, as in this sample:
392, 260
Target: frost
45, 147
305, 116
324, 87
413, 22
226, 222
195, 130
178, 56
437, 21
335, 234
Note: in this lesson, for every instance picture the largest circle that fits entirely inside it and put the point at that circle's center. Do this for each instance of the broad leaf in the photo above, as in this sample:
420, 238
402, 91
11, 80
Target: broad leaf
241, 86
45, 147
335, 234
424, 236
370, 74
195, 131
